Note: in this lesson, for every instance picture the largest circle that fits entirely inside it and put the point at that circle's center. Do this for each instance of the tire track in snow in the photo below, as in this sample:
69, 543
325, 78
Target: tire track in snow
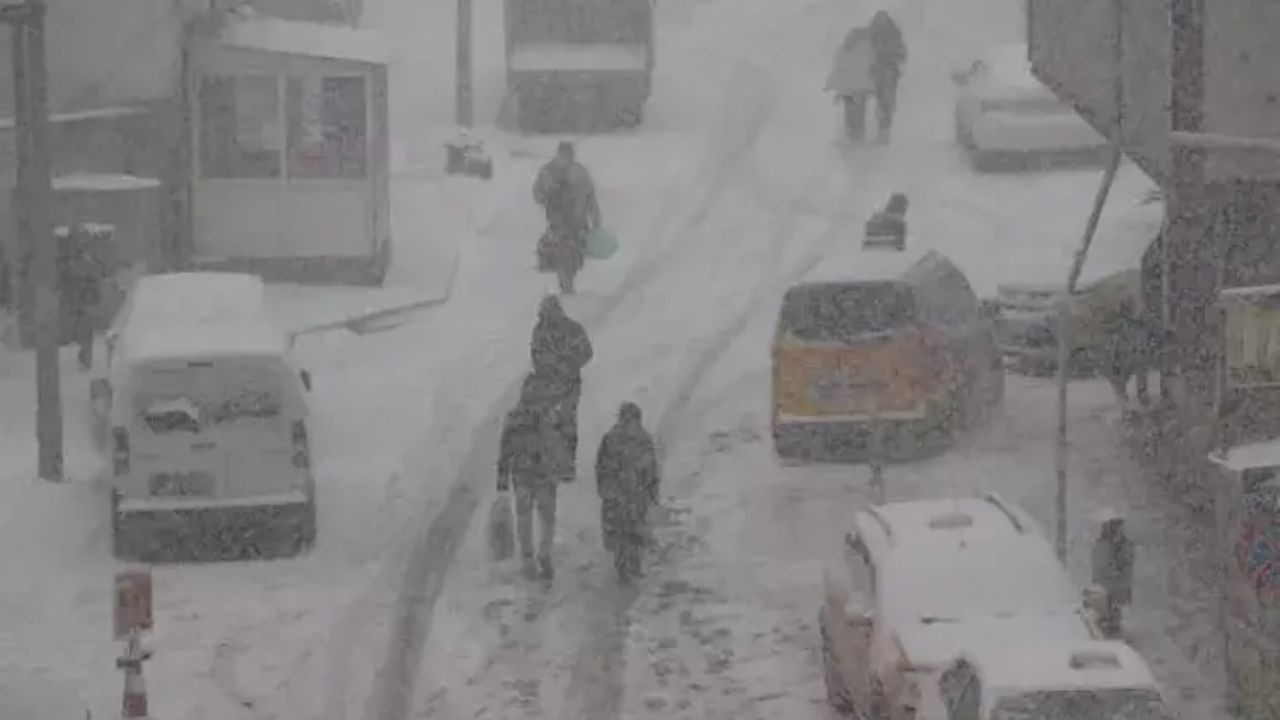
434, 552
596, 684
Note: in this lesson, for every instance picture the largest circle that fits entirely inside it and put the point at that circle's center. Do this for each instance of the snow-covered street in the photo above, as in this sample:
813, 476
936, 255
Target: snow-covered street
737, 185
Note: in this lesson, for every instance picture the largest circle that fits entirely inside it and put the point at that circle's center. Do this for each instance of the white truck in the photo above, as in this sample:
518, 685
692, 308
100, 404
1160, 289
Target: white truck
579, 65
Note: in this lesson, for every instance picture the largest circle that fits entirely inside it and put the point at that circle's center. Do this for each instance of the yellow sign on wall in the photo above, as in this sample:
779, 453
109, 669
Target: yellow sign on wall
1252, 353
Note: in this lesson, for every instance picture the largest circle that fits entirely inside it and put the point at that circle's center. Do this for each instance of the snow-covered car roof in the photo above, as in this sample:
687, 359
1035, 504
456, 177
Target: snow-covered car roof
869, 265
1008, 67
1017, 665
945, 562
198, 314
304, 38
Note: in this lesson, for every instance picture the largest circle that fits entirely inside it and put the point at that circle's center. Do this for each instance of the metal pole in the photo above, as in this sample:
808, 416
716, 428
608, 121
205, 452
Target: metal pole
1073, 277
463, 100
31, 102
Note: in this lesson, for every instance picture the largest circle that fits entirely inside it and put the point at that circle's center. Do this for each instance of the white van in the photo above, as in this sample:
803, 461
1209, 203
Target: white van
205, 414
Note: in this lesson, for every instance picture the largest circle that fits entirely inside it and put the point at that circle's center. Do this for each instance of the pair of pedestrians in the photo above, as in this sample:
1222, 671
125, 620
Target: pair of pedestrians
539, 450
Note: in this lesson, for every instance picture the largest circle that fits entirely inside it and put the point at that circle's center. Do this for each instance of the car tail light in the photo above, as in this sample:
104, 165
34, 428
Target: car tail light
120, 450
301, 448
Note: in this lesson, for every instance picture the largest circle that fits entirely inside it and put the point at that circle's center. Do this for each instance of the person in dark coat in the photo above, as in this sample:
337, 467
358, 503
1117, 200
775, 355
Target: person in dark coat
527, 460
82, 293
559, 349
889, 54
1127, 352
566, 192
1112, 560
627, 479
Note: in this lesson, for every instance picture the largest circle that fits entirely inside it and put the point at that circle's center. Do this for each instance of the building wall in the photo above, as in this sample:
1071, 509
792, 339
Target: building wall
105, 53
1071, 52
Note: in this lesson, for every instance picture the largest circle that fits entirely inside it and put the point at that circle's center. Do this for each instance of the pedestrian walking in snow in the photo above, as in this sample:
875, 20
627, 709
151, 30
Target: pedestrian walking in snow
850, 80
1128, 352
889, 53
627, 479
888, 227
559, 349
1112, 561
82, 293
527, 461
566, 192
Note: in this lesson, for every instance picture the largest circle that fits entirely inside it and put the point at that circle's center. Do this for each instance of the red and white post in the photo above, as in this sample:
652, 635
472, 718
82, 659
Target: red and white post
132, 616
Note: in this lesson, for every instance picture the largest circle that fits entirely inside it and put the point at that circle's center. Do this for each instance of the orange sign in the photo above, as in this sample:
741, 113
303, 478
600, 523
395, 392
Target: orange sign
133, 602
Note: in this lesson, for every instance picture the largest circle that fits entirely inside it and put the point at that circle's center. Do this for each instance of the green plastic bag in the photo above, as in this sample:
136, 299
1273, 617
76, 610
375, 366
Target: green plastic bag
601, 244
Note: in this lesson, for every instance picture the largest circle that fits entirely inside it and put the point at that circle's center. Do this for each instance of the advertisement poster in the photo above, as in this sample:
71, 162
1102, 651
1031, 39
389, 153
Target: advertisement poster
1253, 342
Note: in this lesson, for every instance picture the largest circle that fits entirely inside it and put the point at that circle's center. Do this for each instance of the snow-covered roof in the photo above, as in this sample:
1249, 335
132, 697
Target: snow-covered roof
868, 264
107, 113
199, 314
543, 57
102, 182
1018, 665
308, 39
947, 562
1252, 292
1252, 455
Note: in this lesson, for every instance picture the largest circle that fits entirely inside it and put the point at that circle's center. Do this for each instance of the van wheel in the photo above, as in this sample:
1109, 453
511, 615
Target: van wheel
836, 694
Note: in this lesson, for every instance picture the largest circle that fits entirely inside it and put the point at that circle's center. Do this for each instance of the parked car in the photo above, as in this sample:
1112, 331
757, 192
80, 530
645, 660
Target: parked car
898, 347
1027, 318
922, 581
205, 415
1005, 118
1012, 676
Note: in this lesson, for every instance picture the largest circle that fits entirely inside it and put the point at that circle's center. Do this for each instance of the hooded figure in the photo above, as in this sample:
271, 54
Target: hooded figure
528, 460
559, 349
627, 479
1112, 561
850, 79
565, 191
889, 54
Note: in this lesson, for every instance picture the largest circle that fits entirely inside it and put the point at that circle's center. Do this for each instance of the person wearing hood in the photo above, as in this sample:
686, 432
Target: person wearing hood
567, 194
528, 458
1112, 565
889, 53
850, 79
627, 479
559, 349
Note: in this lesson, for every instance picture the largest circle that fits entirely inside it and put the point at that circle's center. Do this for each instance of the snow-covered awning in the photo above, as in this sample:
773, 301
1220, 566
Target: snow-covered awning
303, 38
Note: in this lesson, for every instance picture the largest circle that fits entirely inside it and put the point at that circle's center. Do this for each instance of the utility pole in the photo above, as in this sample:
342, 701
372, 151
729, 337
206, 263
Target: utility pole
463, 99
31, 105
1064, 318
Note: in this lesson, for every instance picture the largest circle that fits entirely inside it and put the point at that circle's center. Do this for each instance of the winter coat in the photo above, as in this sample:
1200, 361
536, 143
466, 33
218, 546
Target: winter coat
568, 195
531, 449
851, 70
559, 347
558, 404
627, 478
1112, 561
888, 48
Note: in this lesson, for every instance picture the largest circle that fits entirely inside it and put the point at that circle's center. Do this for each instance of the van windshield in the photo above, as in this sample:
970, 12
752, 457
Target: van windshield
1083, 704
203, 395
841, 313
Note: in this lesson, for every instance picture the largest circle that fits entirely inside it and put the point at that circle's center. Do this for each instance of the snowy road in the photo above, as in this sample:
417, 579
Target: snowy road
735, 186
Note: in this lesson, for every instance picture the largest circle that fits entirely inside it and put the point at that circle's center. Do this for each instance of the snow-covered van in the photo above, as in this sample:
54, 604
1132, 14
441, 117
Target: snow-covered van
205, 415
920, 583
897, 343
1013, 677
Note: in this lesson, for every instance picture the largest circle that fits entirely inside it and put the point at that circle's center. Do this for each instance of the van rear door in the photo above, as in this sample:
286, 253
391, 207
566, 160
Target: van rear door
256, 411
172, 456
847, 351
